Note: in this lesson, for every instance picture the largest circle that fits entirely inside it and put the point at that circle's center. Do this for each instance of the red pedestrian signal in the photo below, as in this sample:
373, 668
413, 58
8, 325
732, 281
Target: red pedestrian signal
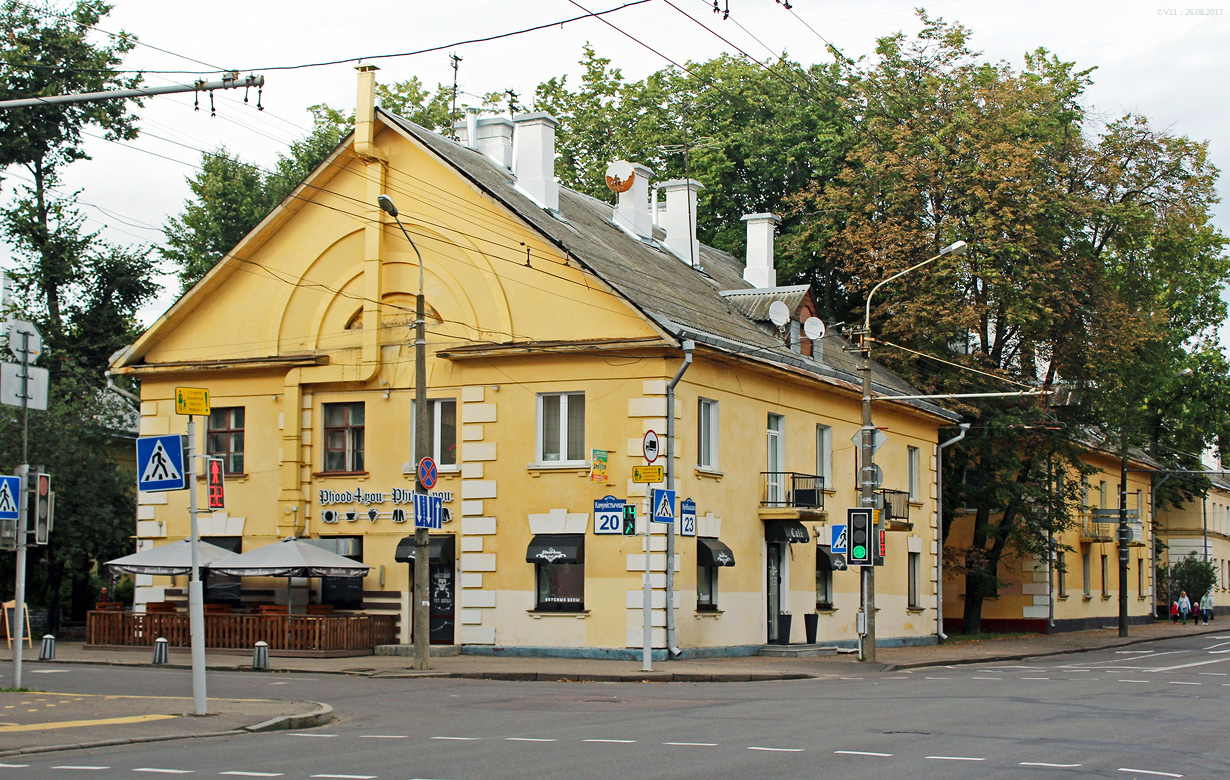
215, 478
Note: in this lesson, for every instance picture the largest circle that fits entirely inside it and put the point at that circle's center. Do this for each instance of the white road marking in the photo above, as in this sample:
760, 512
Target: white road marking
939, 678
955, 758
49, 671
616, 741
776, 750
87, 768
1219, 644
1148, 772
313, 735
14, 766
155, 771
279, 683
1117, 652
349, 777
986, 678
1180, 682
1213, 674
692, 744
384, 736
459, 739
1134, 681
861, 753
527, 739
1188, 666
1035, 678
1053, 766
238, 773
851, 678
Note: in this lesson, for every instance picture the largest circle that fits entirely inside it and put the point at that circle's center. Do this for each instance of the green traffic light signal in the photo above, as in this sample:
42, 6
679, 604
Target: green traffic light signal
629, 521
859, 552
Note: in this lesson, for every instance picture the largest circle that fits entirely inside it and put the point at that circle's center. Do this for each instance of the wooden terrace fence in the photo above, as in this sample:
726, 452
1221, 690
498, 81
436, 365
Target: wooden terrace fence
291, 634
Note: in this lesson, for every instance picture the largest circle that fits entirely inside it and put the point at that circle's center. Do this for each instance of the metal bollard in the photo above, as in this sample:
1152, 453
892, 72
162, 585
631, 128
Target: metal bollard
260, 655
160, 650
48, 651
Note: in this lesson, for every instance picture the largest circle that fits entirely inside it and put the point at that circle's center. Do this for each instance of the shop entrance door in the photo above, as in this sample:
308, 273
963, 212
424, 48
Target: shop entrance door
440, 580
773, 581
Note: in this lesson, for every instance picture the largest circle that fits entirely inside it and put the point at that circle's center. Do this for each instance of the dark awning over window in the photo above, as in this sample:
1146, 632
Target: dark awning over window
441, 548
785, 531
711, 552
836, 561
556, 548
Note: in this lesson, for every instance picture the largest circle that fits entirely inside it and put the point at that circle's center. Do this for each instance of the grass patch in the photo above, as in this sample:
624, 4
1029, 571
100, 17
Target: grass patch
953, 638
18, 690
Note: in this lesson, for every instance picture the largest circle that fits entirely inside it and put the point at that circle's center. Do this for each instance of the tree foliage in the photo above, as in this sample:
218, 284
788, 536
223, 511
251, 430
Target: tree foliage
1192, 575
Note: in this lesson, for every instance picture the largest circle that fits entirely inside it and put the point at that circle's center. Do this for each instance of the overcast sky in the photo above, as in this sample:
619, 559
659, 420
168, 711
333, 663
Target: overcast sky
1151, 58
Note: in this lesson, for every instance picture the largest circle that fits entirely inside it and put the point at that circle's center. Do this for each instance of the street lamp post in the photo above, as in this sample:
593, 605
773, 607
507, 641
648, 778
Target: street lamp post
422, 447
866, 477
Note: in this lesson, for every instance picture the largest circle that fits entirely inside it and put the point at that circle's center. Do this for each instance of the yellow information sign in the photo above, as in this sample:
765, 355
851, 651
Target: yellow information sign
647, 475
191, 400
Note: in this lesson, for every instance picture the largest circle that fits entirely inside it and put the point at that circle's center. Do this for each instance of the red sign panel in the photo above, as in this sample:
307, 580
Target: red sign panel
215, 479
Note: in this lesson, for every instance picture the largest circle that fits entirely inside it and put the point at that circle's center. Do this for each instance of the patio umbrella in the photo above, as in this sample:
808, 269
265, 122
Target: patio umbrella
291, 557
168, 559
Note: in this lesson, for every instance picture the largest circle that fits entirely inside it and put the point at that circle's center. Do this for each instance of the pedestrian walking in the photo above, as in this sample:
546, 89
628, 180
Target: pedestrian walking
1185, 606
1206, 607
1174, 612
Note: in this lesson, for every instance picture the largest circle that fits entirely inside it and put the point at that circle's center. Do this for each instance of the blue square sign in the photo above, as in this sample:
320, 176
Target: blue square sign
662, 505
160, 464
10, 491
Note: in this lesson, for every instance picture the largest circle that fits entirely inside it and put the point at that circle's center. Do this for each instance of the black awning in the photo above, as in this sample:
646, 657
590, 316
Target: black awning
711, 552
556, 548
441, 548
836, 561
785, 531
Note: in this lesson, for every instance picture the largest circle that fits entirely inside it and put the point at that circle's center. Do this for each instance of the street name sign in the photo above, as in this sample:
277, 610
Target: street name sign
609, 515
687, 517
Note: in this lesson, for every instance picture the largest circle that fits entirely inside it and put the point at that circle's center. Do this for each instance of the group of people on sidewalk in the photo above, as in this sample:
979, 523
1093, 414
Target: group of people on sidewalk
1200, 610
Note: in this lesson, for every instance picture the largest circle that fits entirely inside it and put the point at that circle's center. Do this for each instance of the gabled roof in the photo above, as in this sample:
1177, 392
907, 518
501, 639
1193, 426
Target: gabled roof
687, 302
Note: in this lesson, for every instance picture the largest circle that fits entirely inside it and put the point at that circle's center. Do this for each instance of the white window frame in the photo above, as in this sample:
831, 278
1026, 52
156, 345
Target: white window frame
775, 457
539, 455
437, 427
913, 456
824, 455
707, 422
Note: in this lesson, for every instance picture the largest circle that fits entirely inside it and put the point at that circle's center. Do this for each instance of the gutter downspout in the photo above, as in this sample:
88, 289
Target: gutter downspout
940, 636
672, 646
117, 389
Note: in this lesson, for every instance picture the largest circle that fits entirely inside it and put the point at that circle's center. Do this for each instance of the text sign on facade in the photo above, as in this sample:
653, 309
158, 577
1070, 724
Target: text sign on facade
191, 400
215, 478
608, 515
687, 517
647, 475
160, 464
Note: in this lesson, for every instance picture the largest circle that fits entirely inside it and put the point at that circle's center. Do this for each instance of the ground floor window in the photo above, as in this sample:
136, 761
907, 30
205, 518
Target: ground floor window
1105, 581
1061, 571
824, 578
706, 588
711, 556
1086, 574
341, 592
559, 572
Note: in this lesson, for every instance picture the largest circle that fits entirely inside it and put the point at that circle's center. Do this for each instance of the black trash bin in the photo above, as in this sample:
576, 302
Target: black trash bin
811, 622
783, 628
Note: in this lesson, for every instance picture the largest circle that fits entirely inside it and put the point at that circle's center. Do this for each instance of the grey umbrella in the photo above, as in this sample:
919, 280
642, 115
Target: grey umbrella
168, 559
288, 558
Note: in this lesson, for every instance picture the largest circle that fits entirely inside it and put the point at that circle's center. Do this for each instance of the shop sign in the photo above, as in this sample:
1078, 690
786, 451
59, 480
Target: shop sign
401, 496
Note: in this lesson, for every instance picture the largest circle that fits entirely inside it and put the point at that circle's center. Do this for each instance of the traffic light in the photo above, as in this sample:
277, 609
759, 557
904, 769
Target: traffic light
860, 528
44, 508
215, 480
629, 520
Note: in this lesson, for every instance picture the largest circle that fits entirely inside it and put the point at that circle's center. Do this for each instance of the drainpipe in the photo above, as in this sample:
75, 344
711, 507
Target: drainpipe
940, 636
117, 389
672, 647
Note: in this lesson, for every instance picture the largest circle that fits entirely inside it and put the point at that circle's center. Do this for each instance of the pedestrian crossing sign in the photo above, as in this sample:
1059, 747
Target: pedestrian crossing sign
662, 503
10, 489
160, 464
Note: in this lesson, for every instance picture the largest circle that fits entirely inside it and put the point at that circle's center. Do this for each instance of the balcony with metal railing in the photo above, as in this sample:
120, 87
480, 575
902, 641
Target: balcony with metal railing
789, 490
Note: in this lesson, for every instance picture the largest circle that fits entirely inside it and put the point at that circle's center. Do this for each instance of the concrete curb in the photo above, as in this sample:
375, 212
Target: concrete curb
1044, 654
321, 715
588, 677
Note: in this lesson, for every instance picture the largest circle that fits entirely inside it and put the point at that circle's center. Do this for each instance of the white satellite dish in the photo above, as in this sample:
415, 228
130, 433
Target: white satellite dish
814, 328
779, 315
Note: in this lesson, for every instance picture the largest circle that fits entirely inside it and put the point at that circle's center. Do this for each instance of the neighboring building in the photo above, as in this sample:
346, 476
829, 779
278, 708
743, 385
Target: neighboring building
555, 324
1201, 527
1083, 587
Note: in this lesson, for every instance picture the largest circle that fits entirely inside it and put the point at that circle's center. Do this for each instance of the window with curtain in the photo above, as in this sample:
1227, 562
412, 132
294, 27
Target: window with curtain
225, 437
561, 428
442, 423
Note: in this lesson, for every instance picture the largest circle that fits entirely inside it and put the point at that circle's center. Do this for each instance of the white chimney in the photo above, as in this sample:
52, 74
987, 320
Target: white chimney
760, 271
495, 139
632, 208
466, 129
534, 161
679, 221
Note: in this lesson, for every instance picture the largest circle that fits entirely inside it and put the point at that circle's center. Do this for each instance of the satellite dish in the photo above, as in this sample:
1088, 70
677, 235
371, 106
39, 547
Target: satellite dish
620, 175
779, 315
814, 328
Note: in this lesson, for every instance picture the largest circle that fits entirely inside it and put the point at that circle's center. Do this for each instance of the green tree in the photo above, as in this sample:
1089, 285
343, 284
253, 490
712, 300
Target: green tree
1193, 575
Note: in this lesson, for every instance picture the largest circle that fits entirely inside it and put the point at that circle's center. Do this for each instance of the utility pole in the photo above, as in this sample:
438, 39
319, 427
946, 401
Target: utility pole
455, 60
1123, 538
229, 81
866, 499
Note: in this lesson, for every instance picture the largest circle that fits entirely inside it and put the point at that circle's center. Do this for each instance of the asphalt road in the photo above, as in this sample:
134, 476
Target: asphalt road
1147, 711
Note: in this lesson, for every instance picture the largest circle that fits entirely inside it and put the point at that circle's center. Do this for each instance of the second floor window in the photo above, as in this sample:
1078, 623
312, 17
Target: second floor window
442, 422
561, 428
344, 437
225, 439
824, 455
914, 466
707, 434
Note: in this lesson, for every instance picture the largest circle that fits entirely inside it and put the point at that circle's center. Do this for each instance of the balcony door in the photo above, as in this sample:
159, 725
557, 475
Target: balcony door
775, 463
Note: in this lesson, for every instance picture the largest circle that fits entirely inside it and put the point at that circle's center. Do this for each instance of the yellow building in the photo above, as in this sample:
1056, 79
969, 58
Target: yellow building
555, 326
1081, 590
1201, 527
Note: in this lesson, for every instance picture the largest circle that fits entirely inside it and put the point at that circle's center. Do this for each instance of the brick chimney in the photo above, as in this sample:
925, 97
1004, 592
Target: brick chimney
760, 271
534, 158
679, 221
